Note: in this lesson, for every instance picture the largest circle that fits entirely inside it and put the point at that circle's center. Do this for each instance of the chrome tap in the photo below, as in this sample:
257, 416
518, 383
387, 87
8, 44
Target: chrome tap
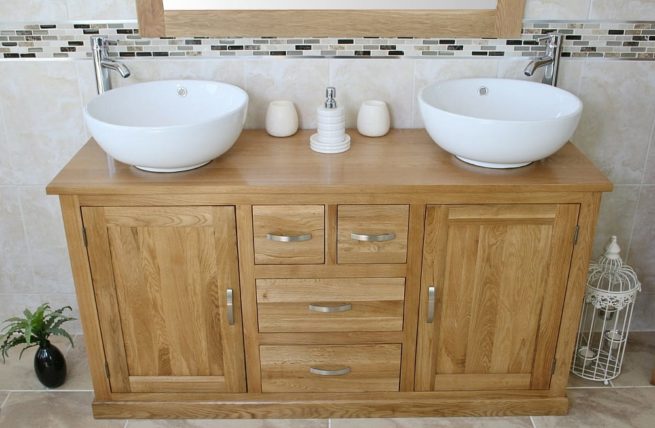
550, 60
102, 64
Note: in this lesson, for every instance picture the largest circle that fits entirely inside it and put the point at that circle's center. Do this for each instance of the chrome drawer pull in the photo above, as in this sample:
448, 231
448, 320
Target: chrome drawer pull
315, 307
323, 372
230, 306
289, 238
431, 300
373, 238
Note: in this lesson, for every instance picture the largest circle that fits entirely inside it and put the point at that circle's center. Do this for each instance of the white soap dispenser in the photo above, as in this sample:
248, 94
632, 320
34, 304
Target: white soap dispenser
331, 136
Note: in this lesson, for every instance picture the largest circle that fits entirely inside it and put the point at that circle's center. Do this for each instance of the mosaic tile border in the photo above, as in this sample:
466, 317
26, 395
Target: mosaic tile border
70, 40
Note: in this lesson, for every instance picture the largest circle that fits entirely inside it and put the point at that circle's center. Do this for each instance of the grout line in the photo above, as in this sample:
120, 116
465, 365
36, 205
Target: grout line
532, 421
5, 400
127, 421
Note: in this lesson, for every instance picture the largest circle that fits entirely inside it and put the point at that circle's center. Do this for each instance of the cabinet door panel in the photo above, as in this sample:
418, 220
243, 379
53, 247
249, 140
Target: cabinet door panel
161, 277
499, 274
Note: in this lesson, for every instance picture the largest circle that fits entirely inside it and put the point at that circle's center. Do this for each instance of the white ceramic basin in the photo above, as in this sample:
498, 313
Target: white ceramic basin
499, 123
168, 126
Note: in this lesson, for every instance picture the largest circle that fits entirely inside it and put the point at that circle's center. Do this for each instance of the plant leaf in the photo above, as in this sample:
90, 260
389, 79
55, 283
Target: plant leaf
62, 332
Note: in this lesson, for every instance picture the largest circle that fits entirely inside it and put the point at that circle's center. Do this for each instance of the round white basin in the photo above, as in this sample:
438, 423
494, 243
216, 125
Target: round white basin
168, 126
499, 123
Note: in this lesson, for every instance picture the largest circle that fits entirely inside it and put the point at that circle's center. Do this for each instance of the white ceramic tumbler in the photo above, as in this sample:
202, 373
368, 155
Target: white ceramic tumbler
281, 119
373, 119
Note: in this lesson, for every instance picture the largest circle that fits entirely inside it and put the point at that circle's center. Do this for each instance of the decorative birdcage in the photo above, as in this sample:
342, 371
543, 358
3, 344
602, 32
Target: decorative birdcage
606, 315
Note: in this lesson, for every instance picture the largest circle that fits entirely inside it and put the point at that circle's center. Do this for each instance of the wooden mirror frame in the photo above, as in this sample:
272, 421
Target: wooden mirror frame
503, 22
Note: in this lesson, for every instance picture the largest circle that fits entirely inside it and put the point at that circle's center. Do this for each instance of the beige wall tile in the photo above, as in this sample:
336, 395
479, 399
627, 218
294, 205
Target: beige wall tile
429, 71
643, 318
433, 422
605, 407
101, 9
3, 398
226, 70
388, 80
15, 260
616, 217
570, 73
299, 80
41, 105
642, 250
649, 173
618, 116
33, 10
557, 9
640, 10
52, 410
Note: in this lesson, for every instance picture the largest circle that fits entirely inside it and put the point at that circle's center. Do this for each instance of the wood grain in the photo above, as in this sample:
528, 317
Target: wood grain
493, 313
168, 273
373, 368
289, 220
509, 18
283, 305
368, 405
270, 167
72, 217
151, 18
372, 220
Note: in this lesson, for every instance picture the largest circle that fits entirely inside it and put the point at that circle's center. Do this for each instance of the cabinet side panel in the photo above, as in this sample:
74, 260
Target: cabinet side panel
85, 296
106, 299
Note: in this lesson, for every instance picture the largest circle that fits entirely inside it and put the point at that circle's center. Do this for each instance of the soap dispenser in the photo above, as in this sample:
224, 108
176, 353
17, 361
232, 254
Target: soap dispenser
331, 136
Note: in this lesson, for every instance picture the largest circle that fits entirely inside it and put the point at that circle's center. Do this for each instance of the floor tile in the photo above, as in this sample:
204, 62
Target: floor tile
52, 410
639, 360
18, 374
514, 422
3, 397
612, 407
230, 423
578, 382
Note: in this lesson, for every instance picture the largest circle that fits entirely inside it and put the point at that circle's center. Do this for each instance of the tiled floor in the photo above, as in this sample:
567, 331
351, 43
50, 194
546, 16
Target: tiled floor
629, 401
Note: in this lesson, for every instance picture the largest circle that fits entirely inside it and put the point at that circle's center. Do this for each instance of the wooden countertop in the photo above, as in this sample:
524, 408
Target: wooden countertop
402, 161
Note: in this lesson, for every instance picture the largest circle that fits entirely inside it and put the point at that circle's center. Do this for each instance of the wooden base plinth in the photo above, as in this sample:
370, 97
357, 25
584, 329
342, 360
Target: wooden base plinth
261, 408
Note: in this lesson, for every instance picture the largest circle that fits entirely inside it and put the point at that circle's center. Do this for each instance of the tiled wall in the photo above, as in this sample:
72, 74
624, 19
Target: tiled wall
41, 123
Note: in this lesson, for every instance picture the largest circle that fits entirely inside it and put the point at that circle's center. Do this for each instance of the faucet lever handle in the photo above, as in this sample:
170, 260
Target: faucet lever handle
552, 39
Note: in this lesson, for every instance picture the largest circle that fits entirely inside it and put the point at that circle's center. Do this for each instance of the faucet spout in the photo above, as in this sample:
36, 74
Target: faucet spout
537, 63
116, 66
550, 60
102, 64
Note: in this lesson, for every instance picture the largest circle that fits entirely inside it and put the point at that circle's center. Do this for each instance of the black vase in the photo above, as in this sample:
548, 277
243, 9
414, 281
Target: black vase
50, 365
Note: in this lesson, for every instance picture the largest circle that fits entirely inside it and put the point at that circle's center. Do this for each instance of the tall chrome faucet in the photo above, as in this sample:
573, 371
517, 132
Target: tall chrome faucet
103, 64
550, 60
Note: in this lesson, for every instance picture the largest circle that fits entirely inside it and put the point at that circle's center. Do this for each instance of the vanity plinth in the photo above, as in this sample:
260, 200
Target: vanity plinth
390, 280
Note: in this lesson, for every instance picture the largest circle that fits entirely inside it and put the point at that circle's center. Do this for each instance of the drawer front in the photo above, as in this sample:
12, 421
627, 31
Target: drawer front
372, 233
330, 368
330, 305
291, 234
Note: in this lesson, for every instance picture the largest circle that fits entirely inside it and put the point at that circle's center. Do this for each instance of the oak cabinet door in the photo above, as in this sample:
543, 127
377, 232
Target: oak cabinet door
167, 293
493, 284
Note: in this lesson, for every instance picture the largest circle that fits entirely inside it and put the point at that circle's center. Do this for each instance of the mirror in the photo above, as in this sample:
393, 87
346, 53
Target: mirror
329, 18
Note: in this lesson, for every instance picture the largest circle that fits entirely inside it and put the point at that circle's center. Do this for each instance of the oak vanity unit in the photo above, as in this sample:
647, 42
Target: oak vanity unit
275, 282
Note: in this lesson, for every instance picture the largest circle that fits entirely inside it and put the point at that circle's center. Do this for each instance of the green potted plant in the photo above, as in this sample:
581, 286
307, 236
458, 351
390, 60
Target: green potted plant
34, 330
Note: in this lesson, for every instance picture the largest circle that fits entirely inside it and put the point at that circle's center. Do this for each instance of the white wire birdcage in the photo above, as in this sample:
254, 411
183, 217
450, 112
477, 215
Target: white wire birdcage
606, 315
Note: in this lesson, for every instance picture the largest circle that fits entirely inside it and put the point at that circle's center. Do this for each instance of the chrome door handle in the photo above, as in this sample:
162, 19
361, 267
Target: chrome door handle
390, 236
315, 307
323, 372
230, 306
288, 238
431, 300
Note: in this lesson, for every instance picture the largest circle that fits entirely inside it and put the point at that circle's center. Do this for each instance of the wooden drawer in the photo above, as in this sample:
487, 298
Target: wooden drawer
289, 234
372, 233
330, 368
322, 305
